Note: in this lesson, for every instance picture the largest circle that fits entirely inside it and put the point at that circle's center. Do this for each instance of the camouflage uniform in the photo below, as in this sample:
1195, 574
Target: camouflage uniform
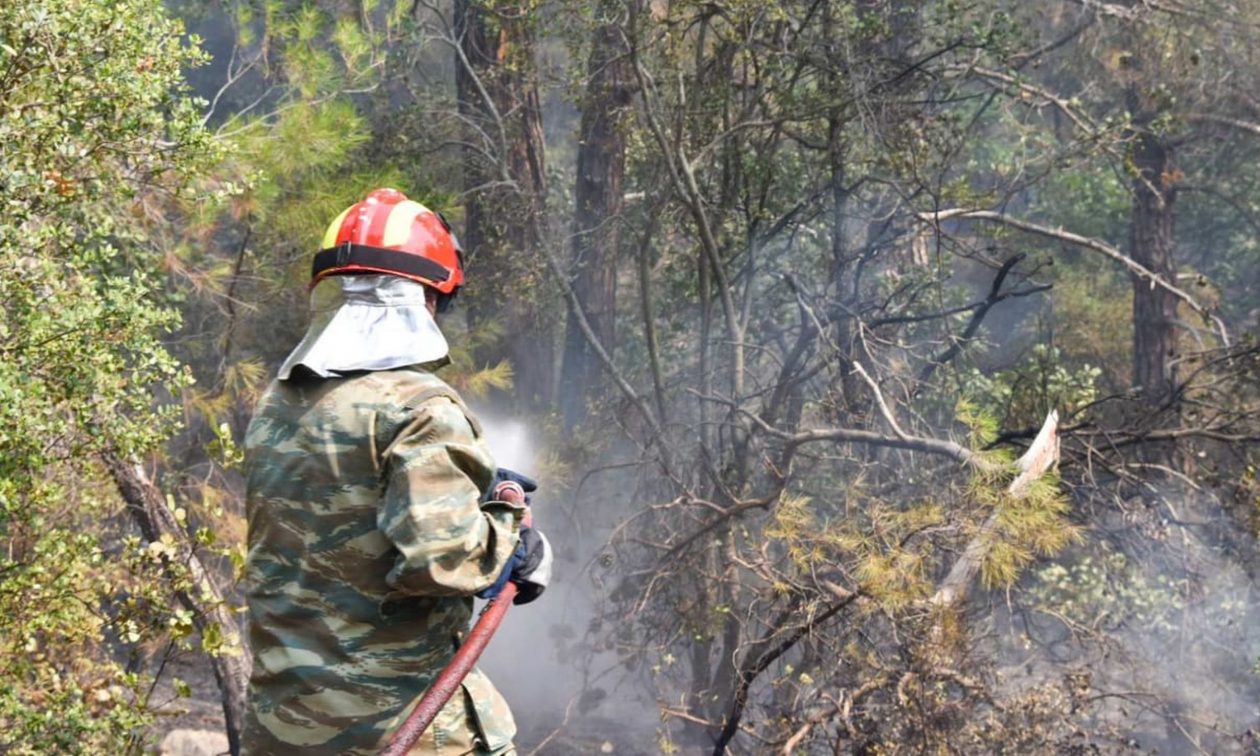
366, 539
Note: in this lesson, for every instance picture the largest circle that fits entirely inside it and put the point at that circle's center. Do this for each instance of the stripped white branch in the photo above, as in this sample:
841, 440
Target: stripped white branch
1039, 458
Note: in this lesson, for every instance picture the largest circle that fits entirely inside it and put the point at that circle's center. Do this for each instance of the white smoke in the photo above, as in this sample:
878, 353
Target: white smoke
557, 686
511, 445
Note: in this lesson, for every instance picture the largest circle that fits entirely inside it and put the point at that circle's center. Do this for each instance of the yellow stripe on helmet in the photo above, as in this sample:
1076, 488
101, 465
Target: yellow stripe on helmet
330, 236
398, 226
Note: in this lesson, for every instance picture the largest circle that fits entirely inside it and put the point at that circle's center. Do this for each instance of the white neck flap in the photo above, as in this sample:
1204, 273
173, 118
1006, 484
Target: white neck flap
366, 322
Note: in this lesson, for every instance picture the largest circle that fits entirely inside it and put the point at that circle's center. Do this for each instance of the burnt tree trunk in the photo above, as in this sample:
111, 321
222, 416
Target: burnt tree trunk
601, 165
505, 177
1151, 245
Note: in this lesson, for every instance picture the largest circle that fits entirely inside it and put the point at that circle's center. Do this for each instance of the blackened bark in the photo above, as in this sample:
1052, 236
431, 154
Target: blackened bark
475, 69
841, 270
1151, 245
601, 162
505, 176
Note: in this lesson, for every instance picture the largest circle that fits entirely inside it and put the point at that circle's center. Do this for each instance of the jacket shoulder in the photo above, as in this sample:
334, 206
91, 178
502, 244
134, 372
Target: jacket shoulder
421, 392
415, 387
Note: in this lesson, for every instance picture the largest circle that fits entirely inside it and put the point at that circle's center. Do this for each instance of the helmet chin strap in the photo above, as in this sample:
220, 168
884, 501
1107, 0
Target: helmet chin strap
445, 302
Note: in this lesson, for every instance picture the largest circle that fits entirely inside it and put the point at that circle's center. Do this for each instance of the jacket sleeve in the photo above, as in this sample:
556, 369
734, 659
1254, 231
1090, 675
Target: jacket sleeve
450, 543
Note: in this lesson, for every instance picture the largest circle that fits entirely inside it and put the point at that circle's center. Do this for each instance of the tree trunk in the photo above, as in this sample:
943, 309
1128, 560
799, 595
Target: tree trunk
601, 163
1151, 245
148, 509
505, 177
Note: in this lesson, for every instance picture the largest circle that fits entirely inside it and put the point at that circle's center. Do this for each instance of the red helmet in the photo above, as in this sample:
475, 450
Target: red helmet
388, 233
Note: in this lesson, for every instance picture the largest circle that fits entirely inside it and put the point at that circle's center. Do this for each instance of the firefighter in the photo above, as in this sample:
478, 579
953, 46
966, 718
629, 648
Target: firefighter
369, 527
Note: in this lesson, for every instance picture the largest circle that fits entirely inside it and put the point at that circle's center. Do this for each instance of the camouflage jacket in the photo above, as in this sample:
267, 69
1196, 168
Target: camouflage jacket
366, 539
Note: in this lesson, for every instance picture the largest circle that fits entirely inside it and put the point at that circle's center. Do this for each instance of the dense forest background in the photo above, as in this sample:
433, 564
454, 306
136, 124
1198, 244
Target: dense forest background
771, 296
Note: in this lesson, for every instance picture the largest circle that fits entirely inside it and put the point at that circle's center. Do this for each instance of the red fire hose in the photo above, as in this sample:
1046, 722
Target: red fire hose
448, 681
461, 664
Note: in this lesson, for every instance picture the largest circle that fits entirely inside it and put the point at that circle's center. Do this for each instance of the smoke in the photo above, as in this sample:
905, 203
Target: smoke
1199, 650
1157, 617
511, 445
561, 687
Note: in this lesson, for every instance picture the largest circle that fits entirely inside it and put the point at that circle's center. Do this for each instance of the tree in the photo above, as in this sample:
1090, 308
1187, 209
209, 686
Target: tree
749, 568
505, 182
1137, 106
852, 210
874, 245
99, 137
600, 172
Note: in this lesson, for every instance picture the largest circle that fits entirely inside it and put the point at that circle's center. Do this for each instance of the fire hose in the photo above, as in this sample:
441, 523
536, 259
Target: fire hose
452, 675
449, 679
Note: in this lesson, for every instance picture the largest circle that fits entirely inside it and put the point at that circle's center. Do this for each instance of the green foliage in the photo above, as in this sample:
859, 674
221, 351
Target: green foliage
815, 133
982, 426
1111, 590
1088, 305
1022, 395
464, 372
99, 136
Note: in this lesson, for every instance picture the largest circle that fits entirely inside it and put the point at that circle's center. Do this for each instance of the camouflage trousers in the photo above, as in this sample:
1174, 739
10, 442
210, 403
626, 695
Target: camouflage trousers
456, 732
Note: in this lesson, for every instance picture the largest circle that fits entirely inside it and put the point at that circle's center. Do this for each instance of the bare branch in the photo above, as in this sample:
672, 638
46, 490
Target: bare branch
879, 400
1097, 245
1248, 127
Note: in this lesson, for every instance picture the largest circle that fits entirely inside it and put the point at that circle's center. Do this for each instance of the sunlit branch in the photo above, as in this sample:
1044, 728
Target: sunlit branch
1096, 245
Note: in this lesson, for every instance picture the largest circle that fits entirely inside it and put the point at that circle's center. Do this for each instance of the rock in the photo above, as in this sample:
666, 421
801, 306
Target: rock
193, 743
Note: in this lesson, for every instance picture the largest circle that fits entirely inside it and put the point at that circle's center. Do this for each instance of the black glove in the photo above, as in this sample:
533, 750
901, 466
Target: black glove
530, 565
529, 568
534, 571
